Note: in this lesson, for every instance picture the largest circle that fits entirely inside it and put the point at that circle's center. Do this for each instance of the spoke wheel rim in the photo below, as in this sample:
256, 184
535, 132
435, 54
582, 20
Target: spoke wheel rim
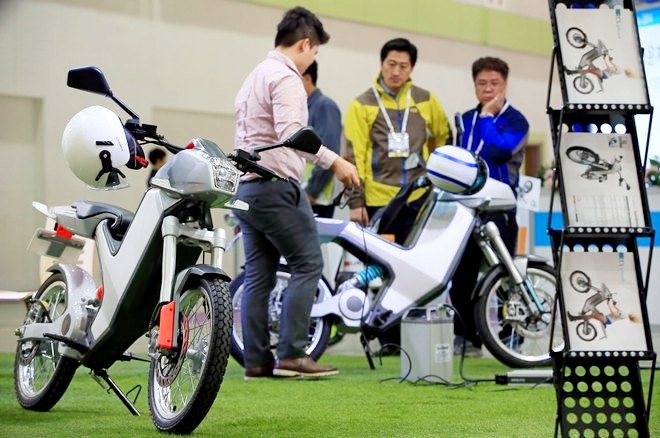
177, 376
37, 360
536, 333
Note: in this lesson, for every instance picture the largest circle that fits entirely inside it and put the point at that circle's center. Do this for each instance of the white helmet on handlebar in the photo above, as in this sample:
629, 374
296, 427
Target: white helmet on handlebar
96, 146
456, 170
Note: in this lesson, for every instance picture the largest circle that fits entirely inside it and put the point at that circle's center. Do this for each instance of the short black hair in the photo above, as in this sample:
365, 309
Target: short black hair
489, 63
313, 72
399, 45
299, 23
156, 154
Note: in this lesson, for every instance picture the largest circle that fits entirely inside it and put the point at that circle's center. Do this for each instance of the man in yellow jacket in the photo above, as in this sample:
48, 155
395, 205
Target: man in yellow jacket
391, 129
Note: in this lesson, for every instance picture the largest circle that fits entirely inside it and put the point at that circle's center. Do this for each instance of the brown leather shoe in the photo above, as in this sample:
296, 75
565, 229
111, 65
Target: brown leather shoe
302, 366
258, 372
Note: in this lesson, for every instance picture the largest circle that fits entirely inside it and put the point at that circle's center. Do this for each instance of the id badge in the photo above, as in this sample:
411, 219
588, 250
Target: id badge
398, 145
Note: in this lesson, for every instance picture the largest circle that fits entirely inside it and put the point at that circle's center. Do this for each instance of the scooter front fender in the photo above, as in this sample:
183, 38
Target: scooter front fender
184, 278
190, 273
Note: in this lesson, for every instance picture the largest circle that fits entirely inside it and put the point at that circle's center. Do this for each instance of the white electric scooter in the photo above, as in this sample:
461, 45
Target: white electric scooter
153, 283
514, 297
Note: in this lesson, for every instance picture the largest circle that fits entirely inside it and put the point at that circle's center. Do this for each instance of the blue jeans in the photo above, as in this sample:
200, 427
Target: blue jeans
279, 222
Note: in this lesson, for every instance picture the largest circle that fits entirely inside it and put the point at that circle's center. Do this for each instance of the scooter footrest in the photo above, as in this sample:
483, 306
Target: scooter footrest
69, 342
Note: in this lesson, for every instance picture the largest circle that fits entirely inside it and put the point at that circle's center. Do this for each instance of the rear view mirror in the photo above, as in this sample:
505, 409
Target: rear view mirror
89, 79
93, 80
305, 139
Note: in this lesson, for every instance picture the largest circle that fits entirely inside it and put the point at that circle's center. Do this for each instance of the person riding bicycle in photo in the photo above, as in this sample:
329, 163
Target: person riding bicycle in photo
615, 314
587, 66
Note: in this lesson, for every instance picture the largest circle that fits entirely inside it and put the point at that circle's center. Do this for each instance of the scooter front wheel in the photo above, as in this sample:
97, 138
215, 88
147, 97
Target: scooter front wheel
576, 37
318, 336
583, 84
586, 331
41, 373
509, 330
582, 155
183, 384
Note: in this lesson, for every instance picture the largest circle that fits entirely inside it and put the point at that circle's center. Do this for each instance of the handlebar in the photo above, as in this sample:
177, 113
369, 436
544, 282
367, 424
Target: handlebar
91, 79
246, 163
243, 160
149, 134
305, 140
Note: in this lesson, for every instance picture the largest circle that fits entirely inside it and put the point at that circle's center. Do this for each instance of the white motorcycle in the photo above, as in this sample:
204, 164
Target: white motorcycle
514, 296
153, 283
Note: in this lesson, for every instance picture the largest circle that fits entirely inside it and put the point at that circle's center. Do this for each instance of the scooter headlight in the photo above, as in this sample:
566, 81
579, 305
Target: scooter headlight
225, 175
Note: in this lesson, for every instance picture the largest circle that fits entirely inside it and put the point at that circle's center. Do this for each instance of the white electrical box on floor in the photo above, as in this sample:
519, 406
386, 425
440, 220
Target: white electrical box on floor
427, 336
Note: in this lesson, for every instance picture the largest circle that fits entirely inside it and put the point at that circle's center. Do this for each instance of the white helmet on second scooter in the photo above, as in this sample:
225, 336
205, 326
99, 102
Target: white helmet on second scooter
96, 146
456, 170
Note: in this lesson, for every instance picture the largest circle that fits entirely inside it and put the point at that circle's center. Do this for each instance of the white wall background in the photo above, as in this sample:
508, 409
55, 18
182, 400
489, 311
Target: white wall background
178, 65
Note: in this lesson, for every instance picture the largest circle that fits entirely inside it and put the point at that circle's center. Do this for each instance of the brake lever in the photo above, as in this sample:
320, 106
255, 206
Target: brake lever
246, 163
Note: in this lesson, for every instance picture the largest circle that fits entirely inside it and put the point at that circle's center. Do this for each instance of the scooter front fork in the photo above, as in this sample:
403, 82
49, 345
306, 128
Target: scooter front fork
520, 280
172, 230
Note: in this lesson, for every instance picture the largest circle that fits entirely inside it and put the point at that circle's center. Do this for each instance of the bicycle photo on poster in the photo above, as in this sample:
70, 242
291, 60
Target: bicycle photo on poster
602, 302
597, 63
599, 180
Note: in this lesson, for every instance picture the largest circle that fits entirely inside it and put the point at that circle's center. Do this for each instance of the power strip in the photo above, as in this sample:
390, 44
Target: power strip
525, 377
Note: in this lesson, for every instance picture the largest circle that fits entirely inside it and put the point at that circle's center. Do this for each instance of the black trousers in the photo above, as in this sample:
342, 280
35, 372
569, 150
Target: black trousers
465, 277
279, 222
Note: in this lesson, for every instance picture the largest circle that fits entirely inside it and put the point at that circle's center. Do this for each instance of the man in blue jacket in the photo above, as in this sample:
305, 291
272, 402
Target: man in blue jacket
497, 132
325, 118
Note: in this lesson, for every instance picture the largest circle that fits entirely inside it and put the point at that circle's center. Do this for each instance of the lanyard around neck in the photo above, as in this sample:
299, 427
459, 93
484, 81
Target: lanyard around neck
480, 146
387, 118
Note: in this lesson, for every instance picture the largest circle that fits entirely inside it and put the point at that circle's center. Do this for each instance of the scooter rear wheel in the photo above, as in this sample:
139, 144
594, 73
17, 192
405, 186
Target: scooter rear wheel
319, 328
184, 383
580, 281
508, 330
41, 373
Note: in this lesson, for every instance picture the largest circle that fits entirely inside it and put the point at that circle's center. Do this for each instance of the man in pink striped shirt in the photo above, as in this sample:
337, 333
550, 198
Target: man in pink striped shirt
270, 106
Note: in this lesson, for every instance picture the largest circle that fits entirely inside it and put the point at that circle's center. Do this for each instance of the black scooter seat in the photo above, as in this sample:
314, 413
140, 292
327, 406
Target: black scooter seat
123, 217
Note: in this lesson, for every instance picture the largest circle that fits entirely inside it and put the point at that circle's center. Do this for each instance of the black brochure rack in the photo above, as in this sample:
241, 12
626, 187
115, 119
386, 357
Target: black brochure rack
601, 374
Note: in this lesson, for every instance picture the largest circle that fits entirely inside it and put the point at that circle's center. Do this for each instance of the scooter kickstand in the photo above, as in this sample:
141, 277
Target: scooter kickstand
103, 374
367, 351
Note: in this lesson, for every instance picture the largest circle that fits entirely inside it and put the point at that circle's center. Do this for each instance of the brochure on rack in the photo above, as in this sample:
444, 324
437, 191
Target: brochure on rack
599, 179
598, 56
602, 302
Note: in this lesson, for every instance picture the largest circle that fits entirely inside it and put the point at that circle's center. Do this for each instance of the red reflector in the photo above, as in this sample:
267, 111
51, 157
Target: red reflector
62, 232
99, 293
190, 145
142, 161
166, 330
